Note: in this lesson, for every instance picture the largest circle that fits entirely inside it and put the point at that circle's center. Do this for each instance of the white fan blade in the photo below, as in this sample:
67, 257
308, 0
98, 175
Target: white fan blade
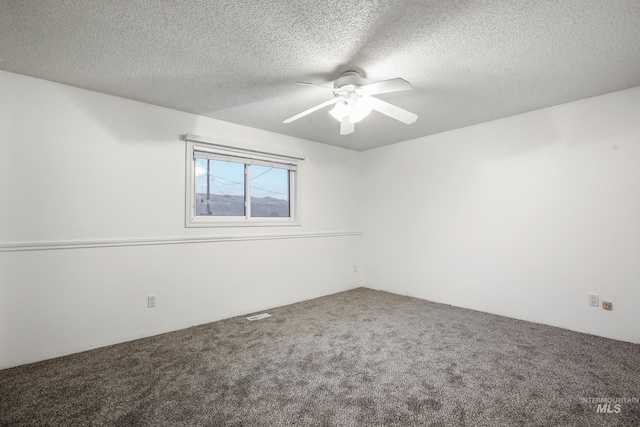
314, 85
311, 110
346, 127
392, 111
386, 86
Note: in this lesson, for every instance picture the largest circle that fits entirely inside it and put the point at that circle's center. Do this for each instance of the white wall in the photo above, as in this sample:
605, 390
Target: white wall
522, 217
78, 166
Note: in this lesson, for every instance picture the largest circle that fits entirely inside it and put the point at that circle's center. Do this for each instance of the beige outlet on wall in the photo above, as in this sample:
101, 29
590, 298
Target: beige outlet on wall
607, 305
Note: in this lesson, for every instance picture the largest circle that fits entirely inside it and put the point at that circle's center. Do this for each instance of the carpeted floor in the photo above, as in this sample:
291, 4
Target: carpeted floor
357, 358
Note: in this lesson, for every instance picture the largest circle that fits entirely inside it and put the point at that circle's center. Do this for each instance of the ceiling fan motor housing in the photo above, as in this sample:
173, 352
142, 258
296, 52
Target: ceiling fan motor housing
349, 78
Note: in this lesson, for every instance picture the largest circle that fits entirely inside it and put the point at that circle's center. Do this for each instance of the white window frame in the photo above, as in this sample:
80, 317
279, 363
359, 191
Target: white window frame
222, 150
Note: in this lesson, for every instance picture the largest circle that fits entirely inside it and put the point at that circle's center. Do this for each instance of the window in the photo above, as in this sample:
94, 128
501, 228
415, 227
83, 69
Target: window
231, 186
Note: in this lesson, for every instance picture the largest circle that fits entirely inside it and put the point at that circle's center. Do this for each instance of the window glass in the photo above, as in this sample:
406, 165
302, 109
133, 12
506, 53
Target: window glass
269, 191
220, 188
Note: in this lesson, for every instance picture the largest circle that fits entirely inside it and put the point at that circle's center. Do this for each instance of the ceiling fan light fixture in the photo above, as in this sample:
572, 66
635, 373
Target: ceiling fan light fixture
360, 109
356, 109
341, 109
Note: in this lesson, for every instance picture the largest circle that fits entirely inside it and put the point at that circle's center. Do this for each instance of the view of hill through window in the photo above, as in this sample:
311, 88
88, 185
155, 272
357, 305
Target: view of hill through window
220, 189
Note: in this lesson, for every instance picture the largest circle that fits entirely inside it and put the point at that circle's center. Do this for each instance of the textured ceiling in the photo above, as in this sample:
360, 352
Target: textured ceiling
468, 61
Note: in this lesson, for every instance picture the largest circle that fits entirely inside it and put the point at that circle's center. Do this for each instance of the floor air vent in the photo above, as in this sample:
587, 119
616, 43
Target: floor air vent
259, 316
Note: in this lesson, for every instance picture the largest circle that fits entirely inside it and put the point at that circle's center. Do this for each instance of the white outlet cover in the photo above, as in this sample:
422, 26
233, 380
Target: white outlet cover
594, 300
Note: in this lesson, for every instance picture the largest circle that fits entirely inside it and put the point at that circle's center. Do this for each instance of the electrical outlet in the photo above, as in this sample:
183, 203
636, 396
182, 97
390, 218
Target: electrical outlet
607, 305
593, 300
151, 301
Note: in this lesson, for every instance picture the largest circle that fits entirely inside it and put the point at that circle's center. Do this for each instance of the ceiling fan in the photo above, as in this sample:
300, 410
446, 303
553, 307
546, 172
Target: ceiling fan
354, 101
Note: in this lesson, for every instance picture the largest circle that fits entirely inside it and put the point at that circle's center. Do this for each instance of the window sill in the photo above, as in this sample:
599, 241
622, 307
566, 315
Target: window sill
211, 223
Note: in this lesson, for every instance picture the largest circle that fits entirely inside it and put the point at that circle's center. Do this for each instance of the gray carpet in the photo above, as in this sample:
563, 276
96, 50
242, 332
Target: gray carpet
357, 358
